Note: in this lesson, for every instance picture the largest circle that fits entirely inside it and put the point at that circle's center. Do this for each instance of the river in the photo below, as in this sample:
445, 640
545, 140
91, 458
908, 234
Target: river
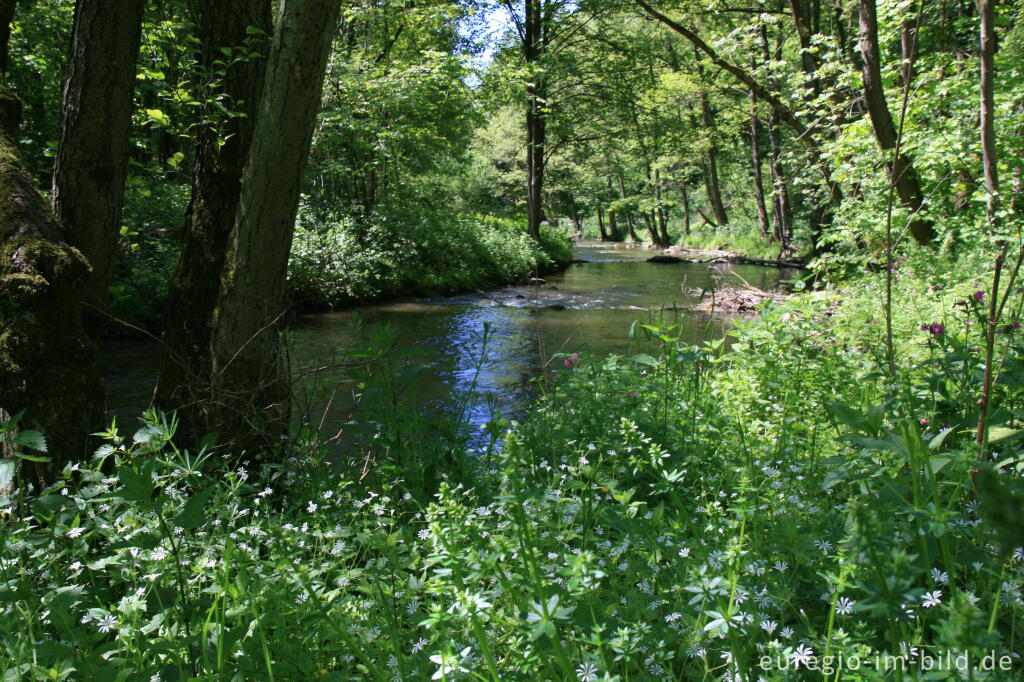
587, 309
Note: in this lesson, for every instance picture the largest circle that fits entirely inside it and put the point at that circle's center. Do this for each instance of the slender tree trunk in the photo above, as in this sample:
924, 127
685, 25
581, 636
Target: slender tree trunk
222, 148
92, 156
711, 159
250, 376
686, 207
577, 225
600, 223
536, 118
46, 357
661, 211
755, 160
781, 207
901, 169
989, 152
628, 214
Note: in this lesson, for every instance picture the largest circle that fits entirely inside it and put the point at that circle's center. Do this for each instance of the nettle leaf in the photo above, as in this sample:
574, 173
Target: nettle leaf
31, 439
7, 471
135, 486
192, 514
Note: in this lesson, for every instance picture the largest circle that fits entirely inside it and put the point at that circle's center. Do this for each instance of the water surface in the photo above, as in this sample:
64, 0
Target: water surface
587, 309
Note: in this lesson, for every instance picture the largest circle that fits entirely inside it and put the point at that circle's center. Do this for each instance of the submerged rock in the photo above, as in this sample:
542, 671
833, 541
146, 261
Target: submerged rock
664, 259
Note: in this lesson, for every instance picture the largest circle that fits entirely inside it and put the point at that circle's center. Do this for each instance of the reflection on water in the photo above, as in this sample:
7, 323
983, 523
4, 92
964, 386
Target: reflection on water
587, 309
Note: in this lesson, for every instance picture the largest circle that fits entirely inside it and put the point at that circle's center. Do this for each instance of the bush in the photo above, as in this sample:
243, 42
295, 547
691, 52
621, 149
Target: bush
342, 261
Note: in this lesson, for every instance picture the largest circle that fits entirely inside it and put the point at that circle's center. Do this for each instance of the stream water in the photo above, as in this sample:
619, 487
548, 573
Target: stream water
586, 309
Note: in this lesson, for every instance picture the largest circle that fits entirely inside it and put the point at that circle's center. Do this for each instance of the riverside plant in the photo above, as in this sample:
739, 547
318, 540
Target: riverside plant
787, 509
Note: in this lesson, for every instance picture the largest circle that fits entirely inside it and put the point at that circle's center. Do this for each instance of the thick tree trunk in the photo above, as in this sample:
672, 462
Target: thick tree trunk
6, 16
613, 223
755, 161
901, 170
250, 378
92, 157
222, 148
46, 357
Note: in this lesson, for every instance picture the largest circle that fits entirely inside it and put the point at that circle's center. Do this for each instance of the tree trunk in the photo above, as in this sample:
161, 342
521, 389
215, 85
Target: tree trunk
989, 152
901, 170
600, 224
711, 163
46, 357
536, 119
6, 16
662, 212
755, 160
249, 374
577, 225
628, 214
781, 207
92, 156
613, 223
222, 148
686, 208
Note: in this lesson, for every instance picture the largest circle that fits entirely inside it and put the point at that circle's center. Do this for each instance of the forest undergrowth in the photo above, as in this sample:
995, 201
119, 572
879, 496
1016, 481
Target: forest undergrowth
787, 504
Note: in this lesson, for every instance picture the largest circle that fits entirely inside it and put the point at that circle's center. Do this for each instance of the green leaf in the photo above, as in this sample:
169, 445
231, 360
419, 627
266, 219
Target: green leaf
644, 359
998, 433
158, 117
192, 514
135, 487
7, 470
936, 442
31, 439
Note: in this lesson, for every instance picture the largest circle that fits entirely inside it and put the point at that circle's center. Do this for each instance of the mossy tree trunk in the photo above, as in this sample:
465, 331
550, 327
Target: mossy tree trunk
241, 28
46, 358
250, 381
92, 156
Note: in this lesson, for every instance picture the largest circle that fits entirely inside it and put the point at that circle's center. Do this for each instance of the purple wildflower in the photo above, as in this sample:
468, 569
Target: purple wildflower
935, 328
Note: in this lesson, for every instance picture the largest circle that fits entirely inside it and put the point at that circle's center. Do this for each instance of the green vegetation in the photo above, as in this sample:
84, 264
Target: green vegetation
402, 253
678, 513
833, 491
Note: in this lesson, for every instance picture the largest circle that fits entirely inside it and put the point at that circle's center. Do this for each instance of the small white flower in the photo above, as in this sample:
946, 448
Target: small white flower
803, 655
931, 599
75, 532
311, 507
586, 672
844, 606
106, 623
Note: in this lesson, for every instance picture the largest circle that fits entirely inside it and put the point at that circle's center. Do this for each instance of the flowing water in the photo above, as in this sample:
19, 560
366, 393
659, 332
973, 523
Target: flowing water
587, 309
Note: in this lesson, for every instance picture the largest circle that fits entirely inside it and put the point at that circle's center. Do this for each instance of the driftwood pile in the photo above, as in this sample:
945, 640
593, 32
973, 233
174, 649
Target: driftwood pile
735, 299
